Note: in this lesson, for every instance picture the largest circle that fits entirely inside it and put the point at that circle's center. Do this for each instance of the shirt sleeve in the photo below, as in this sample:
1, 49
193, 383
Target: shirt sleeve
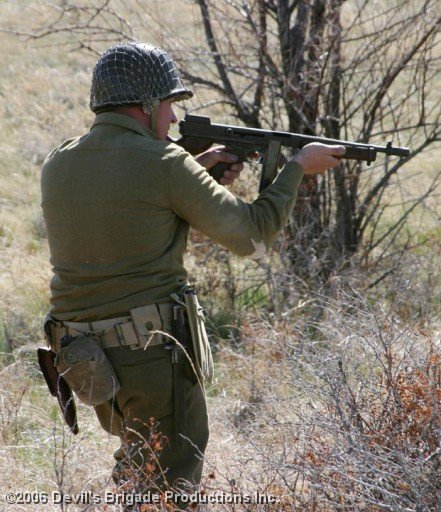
246, 229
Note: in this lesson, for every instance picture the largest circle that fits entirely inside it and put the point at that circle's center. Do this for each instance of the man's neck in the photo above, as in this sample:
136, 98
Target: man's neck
135, 112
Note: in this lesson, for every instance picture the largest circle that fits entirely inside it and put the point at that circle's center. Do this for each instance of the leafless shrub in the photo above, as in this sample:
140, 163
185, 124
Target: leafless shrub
357, 425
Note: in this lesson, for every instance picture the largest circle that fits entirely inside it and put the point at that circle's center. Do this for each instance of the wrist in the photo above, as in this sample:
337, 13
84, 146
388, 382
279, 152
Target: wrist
296, 157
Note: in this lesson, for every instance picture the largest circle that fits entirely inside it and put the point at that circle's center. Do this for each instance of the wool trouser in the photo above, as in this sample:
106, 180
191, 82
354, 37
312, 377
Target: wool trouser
153, 455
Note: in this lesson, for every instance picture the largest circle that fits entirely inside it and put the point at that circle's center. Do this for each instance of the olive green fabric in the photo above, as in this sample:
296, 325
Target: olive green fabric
146, 378
117, 204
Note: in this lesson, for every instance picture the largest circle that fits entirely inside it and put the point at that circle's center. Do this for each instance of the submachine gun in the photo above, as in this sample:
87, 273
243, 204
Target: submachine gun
264, 146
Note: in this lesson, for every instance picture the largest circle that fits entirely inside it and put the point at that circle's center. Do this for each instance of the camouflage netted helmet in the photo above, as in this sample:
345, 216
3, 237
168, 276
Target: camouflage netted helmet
135, 73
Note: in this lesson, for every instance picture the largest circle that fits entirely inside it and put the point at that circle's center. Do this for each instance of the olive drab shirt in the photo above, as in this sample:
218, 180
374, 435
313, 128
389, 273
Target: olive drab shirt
117, 204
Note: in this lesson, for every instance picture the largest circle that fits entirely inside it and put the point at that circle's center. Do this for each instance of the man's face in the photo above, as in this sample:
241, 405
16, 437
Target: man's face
165, 117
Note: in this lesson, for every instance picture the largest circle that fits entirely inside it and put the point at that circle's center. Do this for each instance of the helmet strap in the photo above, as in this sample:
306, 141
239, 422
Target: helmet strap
154, 116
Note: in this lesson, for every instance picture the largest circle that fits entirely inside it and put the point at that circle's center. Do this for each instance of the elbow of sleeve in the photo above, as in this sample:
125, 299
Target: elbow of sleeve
259, 250
246, 248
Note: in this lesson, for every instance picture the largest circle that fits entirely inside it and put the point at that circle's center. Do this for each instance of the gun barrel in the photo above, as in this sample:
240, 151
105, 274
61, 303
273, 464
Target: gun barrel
391, 150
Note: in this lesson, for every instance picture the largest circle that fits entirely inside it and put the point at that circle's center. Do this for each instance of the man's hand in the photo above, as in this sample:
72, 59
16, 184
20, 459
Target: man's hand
213, 156
316, 158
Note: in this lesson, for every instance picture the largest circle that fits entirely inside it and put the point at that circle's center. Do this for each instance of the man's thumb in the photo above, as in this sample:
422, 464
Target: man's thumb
339, 150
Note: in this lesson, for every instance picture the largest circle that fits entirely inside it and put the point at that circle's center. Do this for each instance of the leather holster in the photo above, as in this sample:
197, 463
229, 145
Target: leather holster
58, 387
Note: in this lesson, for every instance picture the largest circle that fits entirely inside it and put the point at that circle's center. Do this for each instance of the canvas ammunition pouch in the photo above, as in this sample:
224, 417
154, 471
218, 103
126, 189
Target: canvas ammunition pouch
82, 363
194, 314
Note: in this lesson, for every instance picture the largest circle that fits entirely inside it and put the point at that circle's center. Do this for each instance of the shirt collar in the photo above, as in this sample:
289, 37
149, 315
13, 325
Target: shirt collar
124, 121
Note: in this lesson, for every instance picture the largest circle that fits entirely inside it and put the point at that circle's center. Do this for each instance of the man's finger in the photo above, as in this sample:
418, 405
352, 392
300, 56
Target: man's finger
225, 181
334, 161
224, 156
229, 174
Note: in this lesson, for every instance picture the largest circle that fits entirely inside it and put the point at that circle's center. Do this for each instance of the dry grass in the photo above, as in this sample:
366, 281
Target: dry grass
275, 421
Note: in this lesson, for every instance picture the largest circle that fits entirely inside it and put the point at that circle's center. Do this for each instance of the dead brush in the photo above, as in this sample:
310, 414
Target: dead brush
138, 481
413, 422
377, 427
348, 419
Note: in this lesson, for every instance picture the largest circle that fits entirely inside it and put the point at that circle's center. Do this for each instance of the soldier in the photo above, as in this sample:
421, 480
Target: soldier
118, 203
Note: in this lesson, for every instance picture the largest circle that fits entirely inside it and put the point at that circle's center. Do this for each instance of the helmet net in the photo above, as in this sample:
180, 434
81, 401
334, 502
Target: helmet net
135, 73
